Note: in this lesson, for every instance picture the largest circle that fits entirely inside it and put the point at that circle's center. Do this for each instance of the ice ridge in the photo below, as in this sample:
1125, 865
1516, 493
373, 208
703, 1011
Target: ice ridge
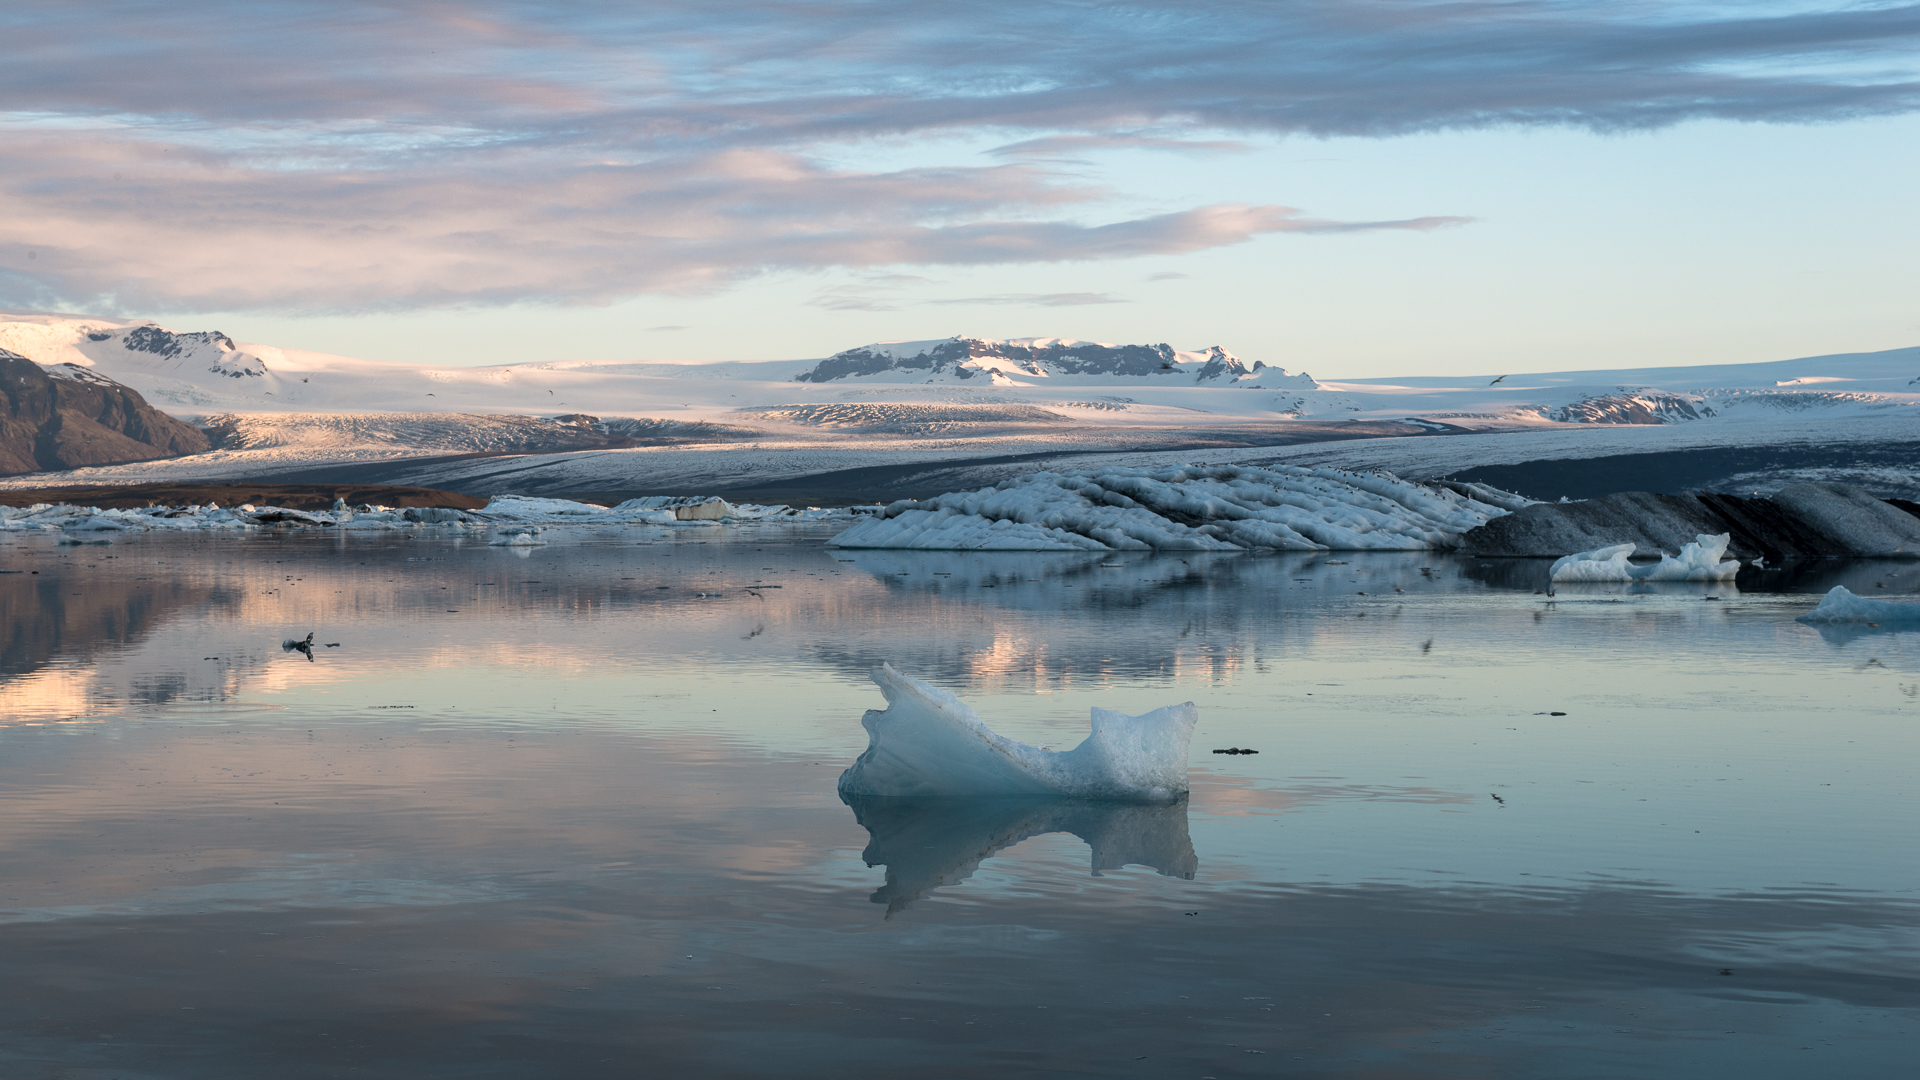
928, 743
1190, 508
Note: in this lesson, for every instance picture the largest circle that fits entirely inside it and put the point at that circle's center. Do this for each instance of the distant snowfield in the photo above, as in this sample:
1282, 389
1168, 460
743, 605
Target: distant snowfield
957, 403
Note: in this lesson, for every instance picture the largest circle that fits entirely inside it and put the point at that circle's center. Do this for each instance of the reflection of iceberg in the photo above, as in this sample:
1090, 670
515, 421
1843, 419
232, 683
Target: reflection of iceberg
928, 843
927, 743
1698, 561
1840, 605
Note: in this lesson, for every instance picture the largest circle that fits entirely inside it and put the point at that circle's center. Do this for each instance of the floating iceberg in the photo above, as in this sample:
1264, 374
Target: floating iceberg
1600, 564
1192, 508
1841, 605
1698, 561
524, 538
515, 513
927, 743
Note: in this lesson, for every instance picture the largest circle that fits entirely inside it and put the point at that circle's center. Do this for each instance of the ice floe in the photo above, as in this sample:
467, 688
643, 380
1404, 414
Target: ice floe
504, 513
1699, 561
927, 743
1842, 605
1192, 508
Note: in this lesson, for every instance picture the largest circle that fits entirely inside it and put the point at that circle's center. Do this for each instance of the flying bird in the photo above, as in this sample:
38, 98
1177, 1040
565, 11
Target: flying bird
1501, 379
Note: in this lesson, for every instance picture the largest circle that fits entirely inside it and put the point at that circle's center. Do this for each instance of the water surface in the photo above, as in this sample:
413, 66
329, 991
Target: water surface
571, 811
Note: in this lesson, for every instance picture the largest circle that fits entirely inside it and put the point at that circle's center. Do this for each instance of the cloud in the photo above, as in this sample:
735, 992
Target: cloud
308, 156
1064, 147
1071, 299
1169, 275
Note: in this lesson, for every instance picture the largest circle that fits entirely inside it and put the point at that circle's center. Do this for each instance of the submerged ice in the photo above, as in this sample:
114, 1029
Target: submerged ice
1702, 560
927, 743
1842, 605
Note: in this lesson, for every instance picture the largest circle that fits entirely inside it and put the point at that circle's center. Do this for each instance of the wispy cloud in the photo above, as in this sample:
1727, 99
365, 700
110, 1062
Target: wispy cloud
1059, 299
1072, 147
302, 155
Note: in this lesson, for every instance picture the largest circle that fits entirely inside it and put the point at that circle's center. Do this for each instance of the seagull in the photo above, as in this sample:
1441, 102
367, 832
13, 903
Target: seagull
1498, 799
1501, 379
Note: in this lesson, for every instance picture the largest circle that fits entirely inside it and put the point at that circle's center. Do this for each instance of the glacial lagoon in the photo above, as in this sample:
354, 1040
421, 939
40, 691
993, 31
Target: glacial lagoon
570, 810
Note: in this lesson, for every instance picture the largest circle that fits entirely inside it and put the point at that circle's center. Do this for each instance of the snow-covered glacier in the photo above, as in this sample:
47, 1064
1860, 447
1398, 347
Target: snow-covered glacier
928, 743
1190, 508
1702, 560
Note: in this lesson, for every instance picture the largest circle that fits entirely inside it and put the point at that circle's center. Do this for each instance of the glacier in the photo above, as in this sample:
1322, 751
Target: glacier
1190, 508
1842, 605
1701, 560
928, 743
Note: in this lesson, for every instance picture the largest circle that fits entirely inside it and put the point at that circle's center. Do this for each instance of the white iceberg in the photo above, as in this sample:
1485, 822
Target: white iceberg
926, 742
524, 538
1188, 508
1841, 605
1702, 560
1698, 561
1600, 564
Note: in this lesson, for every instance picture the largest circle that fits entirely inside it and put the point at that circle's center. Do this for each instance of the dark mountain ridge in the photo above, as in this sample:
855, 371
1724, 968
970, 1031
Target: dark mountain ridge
53, 418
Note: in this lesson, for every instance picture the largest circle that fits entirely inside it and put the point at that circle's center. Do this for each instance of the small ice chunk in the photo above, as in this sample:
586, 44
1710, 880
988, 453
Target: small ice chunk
519, 539
926, 742
1698, 561
1841, 605
1600, 564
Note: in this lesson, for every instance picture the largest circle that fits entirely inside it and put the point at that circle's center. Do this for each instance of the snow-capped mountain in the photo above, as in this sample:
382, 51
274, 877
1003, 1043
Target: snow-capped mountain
1019, 361
592, 425
207, 373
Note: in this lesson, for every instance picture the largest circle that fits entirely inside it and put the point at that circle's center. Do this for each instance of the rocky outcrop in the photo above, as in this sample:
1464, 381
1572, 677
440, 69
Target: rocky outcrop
51, 420
1635, 407
965, 358
1802, 521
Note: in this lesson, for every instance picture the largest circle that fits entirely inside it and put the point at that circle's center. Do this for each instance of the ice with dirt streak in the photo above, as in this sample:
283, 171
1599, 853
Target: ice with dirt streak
928, 743
1188, 508
1701, 560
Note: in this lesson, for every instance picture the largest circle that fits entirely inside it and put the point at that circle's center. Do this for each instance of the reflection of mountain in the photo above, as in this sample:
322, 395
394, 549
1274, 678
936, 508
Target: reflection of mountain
928, 843
51, 616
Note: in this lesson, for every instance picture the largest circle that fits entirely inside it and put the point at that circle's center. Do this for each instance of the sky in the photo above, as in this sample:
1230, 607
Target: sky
1355, 188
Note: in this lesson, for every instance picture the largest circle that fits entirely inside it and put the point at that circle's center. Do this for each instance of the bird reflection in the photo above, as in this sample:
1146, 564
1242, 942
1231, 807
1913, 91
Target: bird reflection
928, 843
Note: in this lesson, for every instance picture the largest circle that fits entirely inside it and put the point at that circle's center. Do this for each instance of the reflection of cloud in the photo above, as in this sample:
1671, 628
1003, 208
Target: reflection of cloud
1234, 796
389, 157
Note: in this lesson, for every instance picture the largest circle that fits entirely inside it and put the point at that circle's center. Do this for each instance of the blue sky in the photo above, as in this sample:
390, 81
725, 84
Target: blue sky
1353, 188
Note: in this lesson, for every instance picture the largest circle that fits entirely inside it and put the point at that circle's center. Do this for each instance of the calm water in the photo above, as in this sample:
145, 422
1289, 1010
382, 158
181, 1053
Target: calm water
571, 812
